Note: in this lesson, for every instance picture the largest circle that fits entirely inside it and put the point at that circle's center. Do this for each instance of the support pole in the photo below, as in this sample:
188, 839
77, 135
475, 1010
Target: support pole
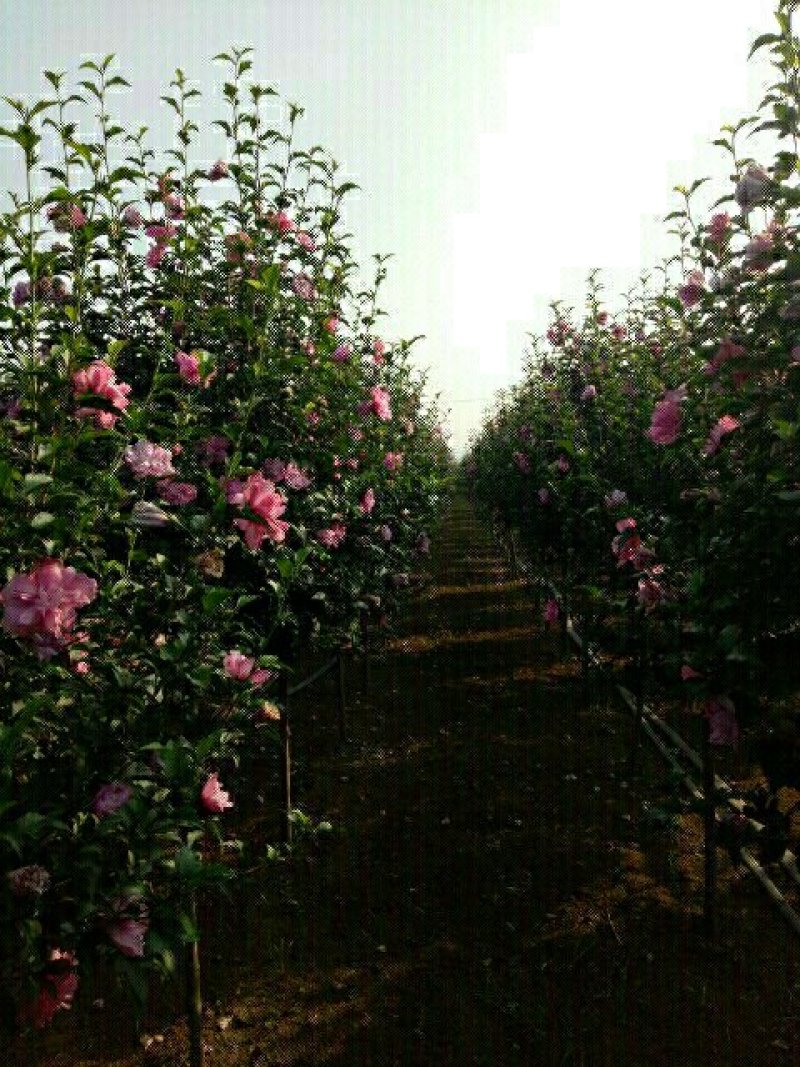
286, 761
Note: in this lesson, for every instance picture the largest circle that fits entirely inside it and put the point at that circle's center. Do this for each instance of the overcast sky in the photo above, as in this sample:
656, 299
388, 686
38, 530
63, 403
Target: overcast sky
503, 147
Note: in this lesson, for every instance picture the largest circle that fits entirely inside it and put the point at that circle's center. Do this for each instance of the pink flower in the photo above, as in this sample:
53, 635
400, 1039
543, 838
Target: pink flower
149, 460
155, 254
188, 367
30, 881
178, 493
650, 593
665, 424
544, 495
261, 676
295, 478
719, 228
238, 666
103, 420
589, 393
128, 936
563, 464
692, 289
215, 449
45, 601
727, 350
263, 499
616, 498
751, 189
727, 424
626, 524
274, 469
378, 350
305, 240
367, 502
218, 170
721, 713
522, 462
355, 433
333, 535
386, 533
303, 287
236, 245
342, 353
688, 673
331, 325
758, 253
98, 378
213, 797
619, 332
551, 612
131, 217
110, 798
174, 206
59, 983
21, 294
380, 404
281, 222
393, 461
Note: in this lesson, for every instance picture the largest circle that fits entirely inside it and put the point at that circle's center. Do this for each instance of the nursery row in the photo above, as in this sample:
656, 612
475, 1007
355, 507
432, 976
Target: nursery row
210, 462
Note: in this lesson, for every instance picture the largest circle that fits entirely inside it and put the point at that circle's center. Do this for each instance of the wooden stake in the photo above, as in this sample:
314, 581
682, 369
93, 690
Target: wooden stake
194, 994
286, 761
710, 834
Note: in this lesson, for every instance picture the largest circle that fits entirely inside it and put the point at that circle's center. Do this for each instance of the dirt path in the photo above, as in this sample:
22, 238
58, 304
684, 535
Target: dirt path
484, 899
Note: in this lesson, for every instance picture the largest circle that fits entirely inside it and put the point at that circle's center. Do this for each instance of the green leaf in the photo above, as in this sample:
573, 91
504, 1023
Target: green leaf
32, 482
212, 599
42, 518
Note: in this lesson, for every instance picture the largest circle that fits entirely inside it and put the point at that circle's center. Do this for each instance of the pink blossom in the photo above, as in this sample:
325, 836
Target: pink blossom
727, 424
263, 499
378, 350
21, 293
551, 611
132, 217
178, 493
719, 228
393, 461
281, 222
386, 533
380, 403
45, 601
367, 502
650, 593
218, 170
304, 287
333, 535
59, 983
149, 460
110, 798
213, 797
618, 332
103, 420
727, 350
751, 189
261, 676
30, 881
236, 245
626, 524
589, 393
721, 713
174, 206
274, 469
665, 424
688, 673
692, 289
295, 478
331, 324
128, 936
522, 462
305, 240
99, 379
188, 367
616, 498
237, 665
563, 464
355, 433
155, 254
215, 449
342, 353
544, 495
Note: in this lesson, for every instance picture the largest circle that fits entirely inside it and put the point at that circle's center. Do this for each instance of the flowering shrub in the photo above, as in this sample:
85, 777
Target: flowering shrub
677, 424
193, 476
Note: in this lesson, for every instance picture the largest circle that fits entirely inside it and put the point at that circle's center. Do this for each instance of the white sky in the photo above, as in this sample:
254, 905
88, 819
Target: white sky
503, 147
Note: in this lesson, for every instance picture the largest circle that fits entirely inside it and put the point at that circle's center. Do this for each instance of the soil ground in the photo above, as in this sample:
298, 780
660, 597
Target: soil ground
488, 896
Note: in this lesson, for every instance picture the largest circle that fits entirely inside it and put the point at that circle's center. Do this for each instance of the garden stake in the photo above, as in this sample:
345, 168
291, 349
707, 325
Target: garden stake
194, 991
342, 707
286, 761
710, 834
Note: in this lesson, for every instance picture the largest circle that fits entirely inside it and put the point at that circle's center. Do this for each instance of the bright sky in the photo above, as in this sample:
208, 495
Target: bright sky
503, 147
